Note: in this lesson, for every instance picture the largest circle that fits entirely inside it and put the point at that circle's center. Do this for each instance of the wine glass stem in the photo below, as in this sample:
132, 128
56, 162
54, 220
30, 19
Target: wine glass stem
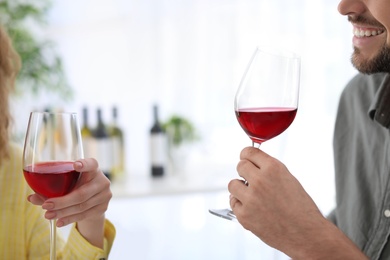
256, 145
53, 239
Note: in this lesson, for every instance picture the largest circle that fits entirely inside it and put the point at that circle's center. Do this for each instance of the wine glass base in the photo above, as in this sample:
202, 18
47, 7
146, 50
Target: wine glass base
224, 213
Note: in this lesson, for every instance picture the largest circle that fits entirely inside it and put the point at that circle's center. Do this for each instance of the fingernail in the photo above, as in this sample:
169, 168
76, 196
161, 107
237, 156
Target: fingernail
48, 205
60, 223
78, 165
50, 214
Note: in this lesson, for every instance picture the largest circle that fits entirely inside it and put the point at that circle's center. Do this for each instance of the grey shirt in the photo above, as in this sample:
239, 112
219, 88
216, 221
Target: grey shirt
362, 164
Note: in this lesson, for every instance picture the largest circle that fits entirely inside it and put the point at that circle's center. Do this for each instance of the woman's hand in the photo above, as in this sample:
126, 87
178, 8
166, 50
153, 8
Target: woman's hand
86, 204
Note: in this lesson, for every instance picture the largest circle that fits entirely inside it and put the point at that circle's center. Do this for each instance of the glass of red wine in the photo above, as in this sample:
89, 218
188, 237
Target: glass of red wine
52, 144
266, 101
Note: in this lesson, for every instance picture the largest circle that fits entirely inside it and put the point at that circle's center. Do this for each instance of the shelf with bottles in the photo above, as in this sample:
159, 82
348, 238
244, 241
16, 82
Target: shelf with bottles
158, 147
105, 142
169, 142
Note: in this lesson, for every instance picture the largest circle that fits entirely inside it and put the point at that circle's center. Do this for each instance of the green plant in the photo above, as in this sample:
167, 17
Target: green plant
42, 69
180, 130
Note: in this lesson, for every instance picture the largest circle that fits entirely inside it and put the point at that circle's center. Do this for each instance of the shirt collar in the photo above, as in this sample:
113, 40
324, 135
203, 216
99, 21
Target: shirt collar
380, 107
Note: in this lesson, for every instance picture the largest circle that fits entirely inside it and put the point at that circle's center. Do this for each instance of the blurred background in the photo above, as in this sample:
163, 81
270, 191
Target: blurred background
188, 57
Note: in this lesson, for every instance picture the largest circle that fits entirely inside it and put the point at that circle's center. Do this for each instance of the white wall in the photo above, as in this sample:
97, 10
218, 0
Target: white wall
188, 56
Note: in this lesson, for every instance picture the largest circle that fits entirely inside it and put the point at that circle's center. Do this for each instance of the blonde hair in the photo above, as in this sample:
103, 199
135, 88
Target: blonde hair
9, 68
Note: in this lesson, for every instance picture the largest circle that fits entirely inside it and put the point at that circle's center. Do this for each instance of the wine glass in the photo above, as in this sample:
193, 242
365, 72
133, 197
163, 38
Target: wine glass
52, 144
266, 101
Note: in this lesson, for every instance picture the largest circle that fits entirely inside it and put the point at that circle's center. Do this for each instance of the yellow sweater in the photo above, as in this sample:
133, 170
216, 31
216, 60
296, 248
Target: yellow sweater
25, 233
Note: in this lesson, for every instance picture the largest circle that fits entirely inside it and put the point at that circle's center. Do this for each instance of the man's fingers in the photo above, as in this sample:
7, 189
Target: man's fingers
255, 155
237, 188
247, 170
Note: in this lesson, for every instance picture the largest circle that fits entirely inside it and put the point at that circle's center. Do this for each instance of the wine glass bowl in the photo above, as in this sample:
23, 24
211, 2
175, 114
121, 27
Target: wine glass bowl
262, 124
53, 143
266, 101
41, 178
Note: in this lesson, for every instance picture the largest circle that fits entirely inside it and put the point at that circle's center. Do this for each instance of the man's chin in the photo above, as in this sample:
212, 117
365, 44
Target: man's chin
379, 63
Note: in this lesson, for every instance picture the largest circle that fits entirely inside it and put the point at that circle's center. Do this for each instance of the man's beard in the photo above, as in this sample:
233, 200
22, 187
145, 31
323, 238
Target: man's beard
380, 63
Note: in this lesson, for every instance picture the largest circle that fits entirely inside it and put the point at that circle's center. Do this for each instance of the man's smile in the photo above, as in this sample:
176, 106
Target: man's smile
366, 32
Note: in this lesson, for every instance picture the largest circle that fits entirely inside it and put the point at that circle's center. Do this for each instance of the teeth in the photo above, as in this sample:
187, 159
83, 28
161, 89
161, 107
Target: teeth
366, 33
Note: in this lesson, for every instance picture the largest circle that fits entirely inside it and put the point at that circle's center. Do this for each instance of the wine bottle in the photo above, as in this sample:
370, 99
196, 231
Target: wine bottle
158, 152
117, 139
86, 134
102, 146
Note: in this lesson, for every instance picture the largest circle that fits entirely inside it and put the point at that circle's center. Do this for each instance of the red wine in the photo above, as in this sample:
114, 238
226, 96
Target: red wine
262, 124
51, 179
